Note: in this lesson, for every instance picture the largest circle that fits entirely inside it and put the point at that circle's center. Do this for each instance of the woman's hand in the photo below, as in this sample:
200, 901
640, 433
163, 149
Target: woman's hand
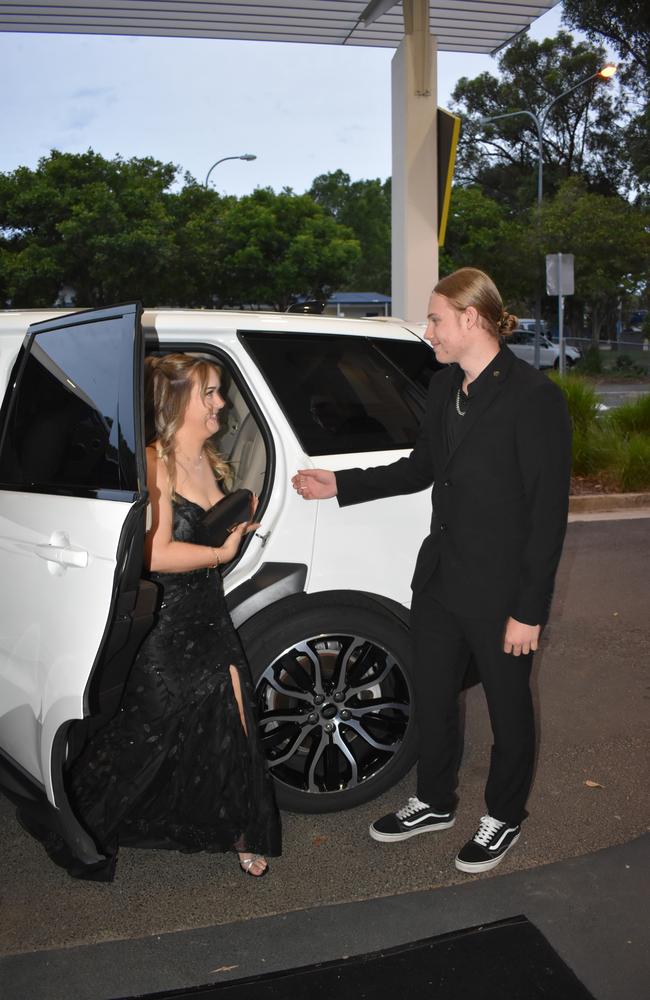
315, 484
230, 547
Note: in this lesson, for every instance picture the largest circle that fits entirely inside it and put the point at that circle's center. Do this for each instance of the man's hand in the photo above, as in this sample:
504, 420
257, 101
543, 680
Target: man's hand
519, 638
315, 484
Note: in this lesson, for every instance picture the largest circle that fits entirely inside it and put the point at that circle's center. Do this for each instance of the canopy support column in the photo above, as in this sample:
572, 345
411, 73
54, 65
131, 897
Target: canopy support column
414, 176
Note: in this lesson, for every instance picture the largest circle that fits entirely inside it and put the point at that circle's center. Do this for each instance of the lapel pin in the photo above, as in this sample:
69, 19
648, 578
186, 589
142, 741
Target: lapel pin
496, 373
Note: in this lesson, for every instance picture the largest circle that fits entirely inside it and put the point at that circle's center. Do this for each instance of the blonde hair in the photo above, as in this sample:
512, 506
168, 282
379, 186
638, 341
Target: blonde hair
168, 384
470, 287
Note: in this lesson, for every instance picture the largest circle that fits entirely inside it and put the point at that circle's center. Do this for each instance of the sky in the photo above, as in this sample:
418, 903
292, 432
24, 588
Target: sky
303, 110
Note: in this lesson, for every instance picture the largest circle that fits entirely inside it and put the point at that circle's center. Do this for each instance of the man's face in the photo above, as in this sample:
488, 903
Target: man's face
447, 330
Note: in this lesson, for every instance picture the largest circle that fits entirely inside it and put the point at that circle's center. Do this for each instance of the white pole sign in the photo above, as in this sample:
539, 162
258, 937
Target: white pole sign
559, 281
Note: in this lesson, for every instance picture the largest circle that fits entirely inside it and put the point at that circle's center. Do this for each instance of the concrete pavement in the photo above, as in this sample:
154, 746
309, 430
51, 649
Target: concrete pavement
171, 920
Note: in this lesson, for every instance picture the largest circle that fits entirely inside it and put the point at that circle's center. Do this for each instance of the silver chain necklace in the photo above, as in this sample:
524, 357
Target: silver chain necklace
461, 413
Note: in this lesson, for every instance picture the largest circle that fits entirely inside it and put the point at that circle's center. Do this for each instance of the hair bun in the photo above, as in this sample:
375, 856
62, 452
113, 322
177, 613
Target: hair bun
506, 324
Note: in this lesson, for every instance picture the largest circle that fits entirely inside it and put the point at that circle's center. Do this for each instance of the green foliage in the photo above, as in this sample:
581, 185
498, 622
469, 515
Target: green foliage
633, 471
112, 230
632, 417
364, 207
582, 132
624, 23
609, 238
625, 365
597, 452
581, 400
481, 233
273, 247
590, 363
98, 225
615, 447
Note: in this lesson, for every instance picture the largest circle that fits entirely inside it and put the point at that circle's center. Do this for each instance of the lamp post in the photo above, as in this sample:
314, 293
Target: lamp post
606, 73
244, 156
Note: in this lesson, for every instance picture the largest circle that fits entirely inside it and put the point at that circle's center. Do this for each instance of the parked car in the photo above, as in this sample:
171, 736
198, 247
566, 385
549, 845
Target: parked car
522, 343
320, 595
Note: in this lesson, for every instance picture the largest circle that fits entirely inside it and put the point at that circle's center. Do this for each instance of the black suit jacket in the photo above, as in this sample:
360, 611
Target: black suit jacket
500, 499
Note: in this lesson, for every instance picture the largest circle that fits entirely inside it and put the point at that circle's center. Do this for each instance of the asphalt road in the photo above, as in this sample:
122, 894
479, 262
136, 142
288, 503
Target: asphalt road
616, 393
591, 791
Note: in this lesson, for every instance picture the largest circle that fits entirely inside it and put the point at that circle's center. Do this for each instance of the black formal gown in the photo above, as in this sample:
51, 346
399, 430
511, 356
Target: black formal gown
175, 768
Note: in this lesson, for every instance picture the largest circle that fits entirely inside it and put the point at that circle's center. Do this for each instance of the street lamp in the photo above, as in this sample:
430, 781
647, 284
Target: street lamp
244, 156
606, 73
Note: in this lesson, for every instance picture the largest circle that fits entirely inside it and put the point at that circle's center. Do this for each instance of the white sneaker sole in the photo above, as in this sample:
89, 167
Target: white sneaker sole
471, 867
389, 838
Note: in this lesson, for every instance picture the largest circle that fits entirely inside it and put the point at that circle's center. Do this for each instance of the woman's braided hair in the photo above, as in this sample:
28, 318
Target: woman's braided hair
169, 380
470, 287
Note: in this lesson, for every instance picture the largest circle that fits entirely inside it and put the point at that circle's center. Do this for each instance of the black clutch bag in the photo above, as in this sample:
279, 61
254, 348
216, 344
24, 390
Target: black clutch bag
217, 523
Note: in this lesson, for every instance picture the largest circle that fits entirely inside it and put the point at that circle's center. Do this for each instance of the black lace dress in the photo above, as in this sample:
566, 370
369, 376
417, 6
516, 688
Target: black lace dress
175, 768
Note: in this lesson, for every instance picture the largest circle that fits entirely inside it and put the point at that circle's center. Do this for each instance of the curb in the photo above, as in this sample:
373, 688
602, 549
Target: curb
593, 502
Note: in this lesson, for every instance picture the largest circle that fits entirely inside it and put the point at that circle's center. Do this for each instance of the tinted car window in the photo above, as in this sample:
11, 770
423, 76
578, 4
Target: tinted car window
69, 424
343, 394
414, 358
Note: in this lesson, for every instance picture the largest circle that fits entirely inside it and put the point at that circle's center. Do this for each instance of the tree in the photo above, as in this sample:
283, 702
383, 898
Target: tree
112, 230
625, 24
196, 213
363, 206
610, 240
482, 233
99, 226
581, 134
275, 247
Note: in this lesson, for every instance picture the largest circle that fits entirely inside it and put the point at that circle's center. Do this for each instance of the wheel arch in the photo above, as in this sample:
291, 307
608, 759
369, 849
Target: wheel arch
289, 605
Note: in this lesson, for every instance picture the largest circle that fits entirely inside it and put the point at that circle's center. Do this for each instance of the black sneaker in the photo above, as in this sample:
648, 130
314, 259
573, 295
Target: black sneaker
490, 843
416, 817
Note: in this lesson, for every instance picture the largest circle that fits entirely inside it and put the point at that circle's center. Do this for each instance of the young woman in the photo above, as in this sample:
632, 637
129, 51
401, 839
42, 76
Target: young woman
180, 766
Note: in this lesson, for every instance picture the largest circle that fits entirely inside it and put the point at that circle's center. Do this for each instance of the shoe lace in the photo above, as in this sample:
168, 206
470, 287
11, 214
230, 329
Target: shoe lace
414, 805
487, 829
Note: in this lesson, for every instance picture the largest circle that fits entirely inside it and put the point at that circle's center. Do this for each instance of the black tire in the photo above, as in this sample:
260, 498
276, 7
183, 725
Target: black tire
328, 746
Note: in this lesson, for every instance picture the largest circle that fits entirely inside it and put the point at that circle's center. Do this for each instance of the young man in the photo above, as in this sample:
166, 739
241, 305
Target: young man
495, 446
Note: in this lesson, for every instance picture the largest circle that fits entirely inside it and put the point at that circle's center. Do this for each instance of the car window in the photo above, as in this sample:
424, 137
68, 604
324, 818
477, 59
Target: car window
345, 394
68, 423
414, 359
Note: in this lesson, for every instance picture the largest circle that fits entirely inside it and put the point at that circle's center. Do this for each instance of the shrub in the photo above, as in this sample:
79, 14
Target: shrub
581, 400
633, 472
625, 365
614, 448
591, 362
632, 417
596, 452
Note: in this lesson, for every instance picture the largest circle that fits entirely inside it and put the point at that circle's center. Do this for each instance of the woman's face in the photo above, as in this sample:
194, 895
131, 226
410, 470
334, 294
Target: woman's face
202, 413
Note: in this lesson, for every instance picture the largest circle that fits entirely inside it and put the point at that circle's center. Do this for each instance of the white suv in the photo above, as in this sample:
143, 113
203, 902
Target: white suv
320, 595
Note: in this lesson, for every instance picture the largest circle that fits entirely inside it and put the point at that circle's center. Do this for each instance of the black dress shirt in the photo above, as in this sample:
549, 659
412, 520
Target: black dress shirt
453, 419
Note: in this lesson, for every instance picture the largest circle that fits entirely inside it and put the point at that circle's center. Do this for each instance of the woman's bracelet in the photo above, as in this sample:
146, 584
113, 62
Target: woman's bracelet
217, 560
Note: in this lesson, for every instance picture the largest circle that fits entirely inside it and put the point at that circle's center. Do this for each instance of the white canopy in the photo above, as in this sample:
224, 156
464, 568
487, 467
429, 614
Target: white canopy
459, 25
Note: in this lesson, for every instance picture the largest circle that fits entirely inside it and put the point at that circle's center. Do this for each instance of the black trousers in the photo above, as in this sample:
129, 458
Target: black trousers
443, 643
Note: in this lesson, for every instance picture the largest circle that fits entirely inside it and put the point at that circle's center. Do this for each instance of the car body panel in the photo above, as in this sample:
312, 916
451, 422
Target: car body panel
60, 542
53, 617
370, 546
522, 344
57, 621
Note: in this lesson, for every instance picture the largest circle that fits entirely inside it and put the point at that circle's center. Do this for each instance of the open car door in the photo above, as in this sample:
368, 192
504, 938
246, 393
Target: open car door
73, 609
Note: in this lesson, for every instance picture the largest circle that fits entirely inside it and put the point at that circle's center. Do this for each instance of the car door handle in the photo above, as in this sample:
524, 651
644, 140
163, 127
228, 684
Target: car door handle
64, 555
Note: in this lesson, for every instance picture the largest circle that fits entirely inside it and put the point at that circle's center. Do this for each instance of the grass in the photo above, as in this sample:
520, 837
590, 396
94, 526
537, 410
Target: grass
613, 448
630, 363
632, 417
